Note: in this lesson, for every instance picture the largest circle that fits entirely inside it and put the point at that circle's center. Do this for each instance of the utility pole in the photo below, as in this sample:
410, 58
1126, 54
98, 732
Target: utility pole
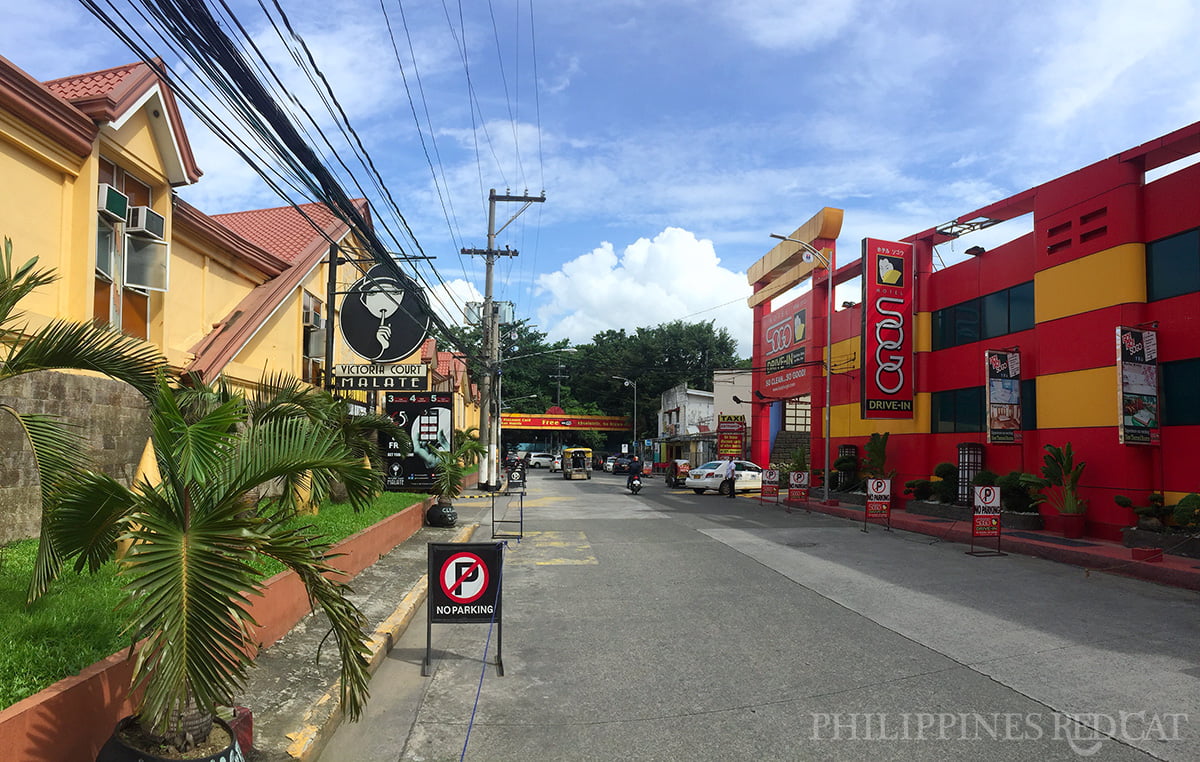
489, 414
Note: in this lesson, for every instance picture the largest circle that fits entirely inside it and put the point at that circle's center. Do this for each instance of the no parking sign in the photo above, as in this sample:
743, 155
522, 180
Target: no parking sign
464, 588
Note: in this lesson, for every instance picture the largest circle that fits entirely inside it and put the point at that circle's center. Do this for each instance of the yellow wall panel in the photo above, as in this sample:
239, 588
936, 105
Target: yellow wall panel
923, 338
1112, 276
847, 421
1080, 398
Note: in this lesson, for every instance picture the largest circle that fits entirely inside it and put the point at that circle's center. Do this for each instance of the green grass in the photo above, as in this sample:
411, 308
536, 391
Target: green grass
75, 624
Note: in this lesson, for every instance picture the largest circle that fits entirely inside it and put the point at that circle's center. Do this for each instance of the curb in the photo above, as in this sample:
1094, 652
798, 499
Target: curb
325, 716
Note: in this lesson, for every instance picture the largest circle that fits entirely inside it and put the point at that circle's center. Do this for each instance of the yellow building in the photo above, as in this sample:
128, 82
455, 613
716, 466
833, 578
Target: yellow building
88, 165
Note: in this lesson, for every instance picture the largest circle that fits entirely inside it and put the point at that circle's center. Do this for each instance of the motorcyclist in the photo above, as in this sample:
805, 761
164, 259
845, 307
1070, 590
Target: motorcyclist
635, 469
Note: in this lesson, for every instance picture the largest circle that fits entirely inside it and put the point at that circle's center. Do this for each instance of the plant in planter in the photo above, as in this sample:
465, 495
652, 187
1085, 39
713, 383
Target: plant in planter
449, 475
874, 464
919, 489
1151, 516
1058, 487
1187, 513
187, 574
847, 472
1016, 500
945, 488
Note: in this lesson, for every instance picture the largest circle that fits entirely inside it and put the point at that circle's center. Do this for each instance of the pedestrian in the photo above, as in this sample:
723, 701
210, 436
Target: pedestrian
729, 476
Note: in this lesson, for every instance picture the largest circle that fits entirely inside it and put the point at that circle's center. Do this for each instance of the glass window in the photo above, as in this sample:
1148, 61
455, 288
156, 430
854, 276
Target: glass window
146, 263
1173, 266
1181, 393
966, 322
938, 329
1020, 307
1029, 405
106, 248
968, 410
958, 411
995, 314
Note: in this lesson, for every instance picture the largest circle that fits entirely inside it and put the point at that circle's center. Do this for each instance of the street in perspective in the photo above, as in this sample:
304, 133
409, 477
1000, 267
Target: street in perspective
676, 626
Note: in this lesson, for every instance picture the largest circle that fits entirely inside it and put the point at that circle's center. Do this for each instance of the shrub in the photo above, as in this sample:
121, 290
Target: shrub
946, 488
1015, 494
1187, 513
920, 489
985, 478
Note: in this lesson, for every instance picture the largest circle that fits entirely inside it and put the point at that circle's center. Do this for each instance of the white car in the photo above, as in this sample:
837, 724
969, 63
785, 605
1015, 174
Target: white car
609, 462
540, 460
748, 477
556, 464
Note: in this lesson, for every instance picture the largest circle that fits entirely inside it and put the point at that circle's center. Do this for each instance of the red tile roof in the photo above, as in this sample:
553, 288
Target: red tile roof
283, 231
92, 84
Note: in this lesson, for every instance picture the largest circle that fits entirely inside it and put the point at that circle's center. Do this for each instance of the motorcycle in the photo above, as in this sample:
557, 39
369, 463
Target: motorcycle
635, 484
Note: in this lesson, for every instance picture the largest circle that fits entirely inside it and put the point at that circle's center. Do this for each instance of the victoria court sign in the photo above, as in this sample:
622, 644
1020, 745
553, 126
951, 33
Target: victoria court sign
464, 588
887, 331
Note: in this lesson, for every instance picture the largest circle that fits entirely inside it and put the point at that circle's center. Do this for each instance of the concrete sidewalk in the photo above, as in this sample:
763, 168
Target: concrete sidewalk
1089, 553
293, 689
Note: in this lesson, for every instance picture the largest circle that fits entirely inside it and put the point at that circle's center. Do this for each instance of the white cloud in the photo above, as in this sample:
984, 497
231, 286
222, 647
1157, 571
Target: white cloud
449, 300
778, 24
674, 276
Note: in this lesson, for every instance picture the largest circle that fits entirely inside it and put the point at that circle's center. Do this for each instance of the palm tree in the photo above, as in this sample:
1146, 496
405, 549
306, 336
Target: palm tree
59, 345
449, 474
188, 575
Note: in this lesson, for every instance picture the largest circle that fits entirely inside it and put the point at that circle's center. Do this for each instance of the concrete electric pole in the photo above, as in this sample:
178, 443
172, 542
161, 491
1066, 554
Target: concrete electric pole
489, 414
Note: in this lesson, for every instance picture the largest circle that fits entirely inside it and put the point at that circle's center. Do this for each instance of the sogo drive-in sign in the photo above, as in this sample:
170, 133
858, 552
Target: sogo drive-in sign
887, 332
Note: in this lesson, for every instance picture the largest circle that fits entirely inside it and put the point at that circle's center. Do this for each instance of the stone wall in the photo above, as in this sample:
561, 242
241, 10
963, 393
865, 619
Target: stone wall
112, 420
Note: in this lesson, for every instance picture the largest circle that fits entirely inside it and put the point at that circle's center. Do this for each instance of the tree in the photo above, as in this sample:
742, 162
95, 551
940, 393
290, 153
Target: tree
59, 345
187, 575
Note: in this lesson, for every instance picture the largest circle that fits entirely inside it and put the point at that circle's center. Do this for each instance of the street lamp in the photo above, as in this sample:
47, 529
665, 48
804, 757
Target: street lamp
636, 442
493, 475
828, 262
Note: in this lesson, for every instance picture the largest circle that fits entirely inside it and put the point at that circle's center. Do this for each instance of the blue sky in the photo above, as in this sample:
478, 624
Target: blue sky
672, 136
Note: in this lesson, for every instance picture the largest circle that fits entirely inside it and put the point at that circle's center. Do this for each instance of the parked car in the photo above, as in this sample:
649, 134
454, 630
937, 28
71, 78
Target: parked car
748, 477
540, 460
621, 466
556, 464
609, 462
677, 471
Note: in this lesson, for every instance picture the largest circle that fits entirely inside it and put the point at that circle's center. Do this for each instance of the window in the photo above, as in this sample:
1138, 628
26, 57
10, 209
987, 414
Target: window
1173, 266
987, 317
1029, 405
313, 346
1180, 404
128, 267
958, 411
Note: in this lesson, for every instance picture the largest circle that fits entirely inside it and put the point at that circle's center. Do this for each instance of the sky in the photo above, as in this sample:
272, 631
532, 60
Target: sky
671, 137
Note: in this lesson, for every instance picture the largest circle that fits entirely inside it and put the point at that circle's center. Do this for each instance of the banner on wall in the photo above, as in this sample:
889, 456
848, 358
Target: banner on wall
1137, 369
785, 351
1003, 396
887, 331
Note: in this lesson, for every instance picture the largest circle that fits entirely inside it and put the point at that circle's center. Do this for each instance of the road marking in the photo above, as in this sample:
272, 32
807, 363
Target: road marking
552, 549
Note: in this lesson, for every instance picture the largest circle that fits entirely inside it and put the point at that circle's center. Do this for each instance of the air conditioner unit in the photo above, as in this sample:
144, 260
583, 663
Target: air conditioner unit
112, 203
312, 319
314, 344
146, 222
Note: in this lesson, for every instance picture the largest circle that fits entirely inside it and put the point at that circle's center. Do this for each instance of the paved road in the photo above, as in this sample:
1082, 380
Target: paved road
671, 626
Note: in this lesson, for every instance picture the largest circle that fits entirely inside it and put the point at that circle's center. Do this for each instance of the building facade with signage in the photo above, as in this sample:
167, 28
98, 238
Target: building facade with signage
686, 425
1082, 330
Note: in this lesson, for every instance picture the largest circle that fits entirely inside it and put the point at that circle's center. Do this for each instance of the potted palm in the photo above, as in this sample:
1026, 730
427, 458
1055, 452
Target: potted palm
1059, 501
189, 573
449, 473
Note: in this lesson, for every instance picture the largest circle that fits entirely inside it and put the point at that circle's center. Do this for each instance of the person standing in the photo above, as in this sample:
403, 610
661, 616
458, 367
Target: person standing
729, 476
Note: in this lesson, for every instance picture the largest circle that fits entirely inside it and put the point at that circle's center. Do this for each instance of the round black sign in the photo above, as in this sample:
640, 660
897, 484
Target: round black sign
384, 319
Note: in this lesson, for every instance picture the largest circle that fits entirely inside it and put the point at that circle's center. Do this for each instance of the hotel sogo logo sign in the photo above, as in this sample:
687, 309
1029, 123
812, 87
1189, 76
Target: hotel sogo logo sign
887, 334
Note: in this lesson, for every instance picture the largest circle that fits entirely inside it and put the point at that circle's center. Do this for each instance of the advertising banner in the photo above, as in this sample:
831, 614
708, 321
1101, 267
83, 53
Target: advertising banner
731, 435
576, 422
1137, 369
384, 316
785, 349
770, 483
887, 331
1003, 396
879, 499
798, 486
987, 512
428, 417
